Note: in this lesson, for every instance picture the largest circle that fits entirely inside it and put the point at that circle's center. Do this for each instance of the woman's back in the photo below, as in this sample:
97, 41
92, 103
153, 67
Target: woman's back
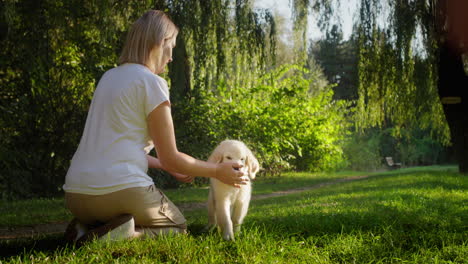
112, 152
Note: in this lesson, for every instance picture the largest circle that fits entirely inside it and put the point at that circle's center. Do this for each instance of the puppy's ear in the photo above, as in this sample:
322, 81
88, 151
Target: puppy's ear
252, 165
216, 156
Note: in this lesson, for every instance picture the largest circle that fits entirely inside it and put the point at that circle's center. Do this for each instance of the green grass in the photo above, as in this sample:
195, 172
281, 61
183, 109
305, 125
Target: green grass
406, 216
32, 212
39, 211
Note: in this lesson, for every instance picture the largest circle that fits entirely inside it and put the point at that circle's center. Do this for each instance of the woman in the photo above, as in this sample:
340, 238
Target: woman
107, 186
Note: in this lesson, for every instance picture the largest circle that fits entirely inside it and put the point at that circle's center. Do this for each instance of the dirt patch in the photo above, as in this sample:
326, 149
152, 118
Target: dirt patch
56, 228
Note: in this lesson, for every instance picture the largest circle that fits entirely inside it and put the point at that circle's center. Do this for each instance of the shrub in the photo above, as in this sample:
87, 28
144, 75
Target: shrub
285, 124
362, 150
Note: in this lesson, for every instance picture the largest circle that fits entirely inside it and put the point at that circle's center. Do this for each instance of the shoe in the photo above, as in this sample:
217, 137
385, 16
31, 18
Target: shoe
119, 228
75, 230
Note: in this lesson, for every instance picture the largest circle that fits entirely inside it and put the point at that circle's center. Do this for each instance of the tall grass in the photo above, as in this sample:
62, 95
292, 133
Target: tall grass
406, 216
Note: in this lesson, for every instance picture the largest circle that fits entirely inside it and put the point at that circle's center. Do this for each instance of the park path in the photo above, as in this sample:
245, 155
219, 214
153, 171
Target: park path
7, 233
186, 207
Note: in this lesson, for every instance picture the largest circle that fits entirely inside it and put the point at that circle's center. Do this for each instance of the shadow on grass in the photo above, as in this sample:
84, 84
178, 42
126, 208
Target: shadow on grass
48, 244
25, 246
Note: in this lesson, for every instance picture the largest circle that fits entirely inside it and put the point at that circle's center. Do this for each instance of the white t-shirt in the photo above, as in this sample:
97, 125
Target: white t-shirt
112, 152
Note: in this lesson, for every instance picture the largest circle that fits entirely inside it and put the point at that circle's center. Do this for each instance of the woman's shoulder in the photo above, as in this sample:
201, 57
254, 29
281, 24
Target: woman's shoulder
140, 71
161, 80
133, 69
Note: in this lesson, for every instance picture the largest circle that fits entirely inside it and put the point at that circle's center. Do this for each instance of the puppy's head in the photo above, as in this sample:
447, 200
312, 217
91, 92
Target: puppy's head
236, 151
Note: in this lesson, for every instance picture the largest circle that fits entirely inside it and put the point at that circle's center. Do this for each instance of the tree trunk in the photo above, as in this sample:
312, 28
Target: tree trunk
179, 71
453, 92
451, 27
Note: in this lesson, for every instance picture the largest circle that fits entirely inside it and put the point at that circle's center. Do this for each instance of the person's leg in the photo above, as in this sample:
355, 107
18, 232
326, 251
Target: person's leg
97, 217
153, 212
121, 227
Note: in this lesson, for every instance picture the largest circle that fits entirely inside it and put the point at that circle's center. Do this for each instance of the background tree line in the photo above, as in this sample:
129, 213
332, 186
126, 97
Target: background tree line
412, 72
316, 106
224, 84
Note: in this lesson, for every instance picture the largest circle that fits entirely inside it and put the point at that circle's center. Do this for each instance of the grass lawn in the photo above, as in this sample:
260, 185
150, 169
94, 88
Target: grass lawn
39, 211
417, 215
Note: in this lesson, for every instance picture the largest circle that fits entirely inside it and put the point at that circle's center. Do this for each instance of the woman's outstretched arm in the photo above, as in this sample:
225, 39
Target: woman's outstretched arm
161, 130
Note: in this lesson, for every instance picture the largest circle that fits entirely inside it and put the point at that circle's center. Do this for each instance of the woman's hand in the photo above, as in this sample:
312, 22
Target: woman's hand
161, 130
230, 174
182, 177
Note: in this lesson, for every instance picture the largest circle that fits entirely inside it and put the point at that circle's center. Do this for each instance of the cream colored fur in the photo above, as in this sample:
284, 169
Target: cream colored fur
228, 205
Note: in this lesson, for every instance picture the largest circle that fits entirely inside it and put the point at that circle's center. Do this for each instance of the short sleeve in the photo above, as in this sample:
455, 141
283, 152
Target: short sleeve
156, 92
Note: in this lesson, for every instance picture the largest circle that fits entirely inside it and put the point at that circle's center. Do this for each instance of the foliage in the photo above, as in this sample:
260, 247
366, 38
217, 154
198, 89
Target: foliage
279, 117
412, 141
219, 40
338, 59
362, 151
392, 91
417, 147
404, 66
365, 150
53, 54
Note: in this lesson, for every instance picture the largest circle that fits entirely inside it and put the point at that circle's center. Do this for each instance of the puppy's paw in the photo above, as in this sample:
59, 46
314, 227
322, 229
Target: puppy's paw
228, 236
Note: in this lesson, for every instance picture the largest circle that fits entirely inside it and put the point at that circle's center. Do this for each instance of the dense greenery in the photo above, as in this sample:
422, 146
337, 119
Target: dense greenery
284, 122
395, 61
331, 104
410, 60
362, 74
224, 84
51, 58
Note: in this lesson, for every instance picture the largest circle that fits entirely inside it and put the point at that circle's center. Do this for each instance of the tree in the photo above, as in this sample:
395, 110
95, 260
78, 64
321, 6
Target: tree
338, 59
221, 43
451, 32
391, 89
53, 53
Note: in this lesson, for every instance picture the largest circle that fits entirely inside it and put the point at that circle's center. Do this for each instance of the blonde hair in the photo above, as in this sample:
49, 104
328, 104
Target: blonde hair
146, 34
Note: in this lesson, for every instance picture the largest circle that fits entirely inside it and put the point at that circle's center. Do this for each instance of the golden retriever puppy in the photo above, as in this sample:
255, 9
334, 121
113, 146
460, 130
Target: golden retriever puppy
228, 205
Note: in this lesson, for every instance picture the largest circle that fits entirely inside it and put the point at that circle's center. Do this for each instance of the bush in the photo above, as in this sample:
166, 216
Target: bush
416, 147
366, 150
362, 151
284, 123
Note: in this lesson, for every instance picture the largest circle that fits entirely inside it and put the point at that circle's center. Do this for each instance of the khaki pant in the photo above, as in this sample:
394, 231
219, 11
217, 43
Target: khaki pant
153, 212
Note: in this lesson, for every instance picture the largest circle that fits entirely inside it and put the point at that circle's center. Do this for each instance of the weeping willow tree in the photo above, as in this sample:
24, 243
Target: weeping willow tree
222, 44
53, 52
219, 40
396, 82
406, 84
